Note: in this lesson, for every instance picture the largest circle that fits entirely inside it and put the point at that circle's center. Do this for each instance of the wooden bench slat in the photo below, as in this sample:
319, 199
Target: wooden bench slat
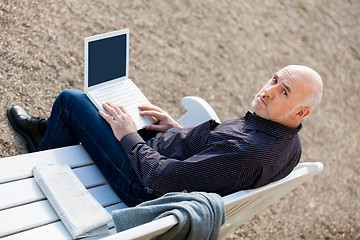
26, 217
20, 167
105, 195
20, 192
90, 176
57, 230
54, 231
40, 213
26, 190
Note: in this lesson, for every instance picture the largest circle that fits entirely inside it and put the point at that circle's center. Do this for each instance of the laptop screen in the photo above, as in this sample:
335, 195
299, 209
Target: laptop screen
106, 59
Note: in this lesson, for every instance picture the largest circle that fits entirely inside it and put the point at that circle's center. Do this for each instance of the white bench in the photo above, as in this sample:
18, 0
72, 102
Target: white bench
25, 213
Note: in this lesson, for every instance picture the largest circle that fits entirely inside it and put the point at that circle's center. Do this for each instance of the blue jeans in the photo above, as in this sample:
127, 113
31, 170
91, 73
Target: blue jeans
75, 119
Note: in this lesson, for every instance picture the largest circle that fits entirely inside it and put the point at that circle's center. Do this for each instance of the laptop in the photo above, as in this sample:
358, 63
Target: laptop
106, 76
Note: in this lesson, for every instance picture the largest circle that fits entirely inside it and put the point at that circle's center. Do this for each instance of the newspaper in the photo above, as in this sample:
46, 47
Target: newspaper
81, 214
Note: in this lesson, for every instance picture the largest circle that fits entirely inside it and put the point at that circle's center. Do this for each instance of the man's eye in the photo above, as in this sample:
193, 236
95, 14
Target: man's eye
275, 80
285, 93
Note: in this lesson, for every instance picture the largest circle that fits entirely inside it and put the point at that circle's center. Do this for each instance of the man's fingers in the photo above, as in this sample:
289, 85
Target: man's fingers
154, 114
119, 109
110, 109
150, 107
114, 110
105, 116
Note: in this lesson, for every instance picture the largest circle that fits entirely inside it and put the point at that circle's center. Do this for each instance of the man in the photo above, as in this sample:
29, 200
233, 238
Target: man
244, 153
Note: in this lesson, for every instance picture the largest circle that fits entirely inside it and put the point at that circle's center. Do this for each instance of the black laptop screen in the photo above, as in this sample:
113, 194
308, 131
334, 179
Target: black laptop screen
106, 59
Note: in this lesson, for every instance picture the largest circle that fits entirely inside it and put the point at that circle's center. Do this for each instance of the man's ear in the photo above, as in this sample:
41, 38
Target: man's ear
302, 112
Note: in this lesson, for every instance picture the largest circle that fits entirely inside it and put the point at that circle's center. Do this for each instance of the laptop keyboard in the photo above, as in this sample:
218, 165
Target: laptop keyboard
123, 95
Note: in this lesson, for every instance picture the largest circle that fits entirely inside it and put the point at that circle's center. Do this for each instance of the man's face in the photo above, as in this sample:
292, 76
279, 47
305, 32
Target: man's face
279, 98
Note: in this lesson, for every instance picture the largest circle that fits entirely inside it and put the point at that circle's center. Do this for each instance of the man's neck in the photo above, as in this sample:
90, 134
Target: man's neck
291, 123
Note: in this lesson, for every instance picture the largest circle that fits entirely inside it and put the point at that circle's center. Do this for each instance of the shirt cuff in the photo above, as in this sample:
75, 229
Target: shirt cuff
130, 140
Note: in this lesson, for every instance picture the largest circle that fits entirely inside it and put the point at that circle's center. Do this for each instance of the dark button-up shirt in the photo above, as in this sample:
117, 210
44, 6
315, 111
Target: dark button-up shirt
222, 158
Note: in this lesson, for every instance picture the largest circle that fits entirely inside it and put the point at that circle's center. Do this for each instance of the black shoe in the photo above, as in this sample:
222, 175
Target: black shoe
26, 126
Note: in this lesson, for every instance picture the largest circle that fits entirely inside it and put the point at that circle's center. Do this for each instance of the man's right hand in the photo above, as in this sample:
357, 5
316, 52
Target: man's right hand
165, 120
120, 121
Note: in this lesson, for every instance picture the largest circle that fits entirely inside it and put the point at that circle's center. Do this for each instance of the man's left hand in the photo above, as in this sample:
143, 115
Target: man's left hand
165, 120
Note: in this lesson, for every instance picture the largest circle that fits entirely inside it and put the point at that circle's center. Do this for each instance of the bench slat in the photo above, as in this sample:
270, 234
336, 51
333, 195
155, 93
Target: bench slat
105, 195
20, 192
90, 176
26, 190
20, 167
51, 231
40, 213
26, 217
57, 230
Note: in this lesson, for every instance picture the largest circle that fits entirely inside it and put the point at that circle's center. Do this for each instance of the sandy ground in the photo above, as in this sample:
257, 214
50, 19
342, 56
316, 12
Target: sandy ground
222, 51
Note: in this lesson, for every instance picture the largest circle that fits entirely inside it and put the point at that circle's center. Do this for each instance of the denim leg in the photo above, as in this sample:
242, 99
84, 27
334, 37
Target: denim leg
75, 119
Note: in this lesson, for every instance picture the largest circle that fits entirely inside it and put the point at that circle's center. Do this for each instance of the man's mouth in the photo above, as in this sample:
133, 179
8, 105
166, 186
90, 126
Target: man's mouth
262, 100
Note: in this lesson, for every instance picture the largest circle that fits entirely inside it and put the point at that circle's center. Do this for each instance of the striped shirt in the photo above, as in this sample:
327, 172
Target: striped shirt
222, 158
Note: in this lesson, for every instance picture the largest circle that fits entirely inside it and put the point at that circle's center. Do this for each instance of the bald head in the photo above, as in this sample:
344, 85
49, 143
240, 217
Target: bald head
289, 95
312, 82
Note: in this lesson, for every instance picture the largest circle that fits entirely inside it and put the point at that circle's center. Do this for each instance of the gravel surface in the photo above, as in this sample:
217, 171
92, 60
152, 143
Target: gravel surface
222, 51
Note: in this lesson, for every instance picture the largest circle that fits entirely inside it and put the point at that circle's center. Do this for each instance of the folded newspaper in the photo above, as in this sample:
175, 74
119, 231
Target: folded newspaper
81, 214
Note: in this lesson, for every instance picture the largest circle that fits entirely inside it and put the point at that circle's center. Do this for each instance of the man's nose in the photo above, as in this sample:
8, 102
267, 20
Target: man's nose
269, 92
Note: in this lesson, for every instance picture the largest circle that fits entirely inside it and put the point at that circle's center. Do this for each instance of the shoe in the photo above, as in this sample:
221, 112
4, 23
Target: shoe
26, 126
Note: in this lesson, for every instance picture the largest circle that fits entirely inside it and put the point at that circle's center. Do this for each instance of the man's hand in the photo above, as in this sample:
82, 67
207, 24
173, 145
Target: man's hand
165, 120
120, 121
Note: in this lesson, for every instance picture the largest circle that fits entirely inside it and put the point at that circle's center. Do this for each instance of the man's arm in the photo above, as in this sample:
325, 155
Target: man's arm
216, 169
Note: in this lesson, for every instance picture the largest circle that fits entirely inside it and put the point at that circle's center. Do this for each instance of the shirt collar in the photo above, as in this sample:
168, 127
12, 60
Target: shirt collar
255, 122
